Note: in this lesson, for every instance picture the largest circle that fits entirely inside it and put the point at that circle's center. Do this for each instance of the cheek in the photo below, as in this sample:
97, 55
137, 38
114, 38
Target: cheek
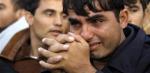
6, 19
65, 27
103, 31
136, 17
109, 35
41, 27
139, 16
76, 31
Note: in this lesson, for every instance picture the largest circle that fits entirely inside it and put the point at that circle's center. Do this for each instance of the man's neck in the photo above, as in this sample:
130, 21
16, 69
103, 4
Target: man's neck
99, 65
35, 44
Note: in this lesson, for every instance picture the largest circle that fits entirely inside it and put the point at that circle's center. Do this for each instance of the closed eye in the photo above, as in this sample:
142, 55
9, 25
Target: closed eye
134, 8
49, 12
2, 6
73, 21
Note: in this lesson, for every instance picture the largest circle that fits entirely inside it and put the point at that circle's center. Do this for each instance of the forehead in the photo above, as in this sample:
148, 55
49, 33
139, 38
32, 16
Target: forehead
84, 9
51, 4
138, 1
73, 13
5, 2
137, 4
102, 13
133, 1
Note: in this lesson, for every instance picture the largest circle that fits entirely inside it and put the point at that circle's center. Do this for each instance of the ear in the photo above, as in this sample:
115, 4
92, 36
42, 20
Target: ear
29, 17
20, 13
123, 18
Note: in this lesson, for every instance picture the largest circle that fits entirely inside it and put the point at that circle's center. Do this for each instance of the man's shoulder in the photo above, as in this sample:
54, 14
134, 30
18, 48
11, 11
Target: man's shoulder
5, 66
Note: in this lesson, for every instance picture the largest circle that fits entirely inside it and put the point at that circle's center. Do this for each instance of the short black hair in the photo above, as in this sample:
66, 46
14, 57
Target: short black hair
107, 5
15, 4
29, 5
144, 3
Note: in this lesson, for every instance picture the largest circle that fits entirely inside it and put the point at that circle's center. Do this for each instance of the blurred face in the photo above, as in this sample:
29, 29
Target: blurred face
135, 13
101, 30
49, 19
7, 13
146, 20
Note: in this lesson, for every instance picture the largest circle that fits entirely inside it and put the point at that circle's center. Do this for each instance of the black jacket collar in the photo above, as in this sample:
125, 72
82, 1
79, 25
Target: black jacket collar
127, 54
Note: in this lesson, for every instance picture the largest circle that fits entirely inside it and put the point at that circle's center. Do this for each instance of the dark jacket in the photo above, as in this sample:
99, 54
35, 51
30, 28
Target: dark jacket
5, 66
133, 55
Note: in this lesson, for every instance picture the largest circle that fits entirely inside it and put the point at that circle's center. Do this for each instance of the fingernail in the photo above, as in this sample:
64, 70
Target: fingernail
71, 38
41, 49
59, 57
41, 62
66, 46
70, 33
44, 39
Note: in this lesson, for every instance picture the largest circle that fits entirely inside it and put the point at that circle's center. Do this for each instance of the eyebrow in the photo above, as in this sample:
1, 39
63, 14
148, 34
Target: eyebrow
133, 6
49, 10
74, 20
97, 16
2, 4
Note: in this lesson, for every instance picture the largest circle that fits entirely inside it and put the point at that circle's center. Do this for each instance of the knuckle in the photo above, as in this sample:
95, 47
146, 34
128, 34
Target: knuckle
55, 48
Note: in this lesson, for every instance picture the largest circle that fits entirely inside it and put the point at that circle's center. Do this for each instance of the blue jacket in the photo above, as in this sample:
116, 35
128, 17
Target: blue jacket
133, 55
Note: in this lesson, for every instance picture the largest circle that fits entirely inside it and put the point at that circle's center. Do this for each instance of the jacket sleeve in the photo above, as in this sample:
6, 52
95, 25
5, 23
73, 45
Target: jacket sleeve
5, 67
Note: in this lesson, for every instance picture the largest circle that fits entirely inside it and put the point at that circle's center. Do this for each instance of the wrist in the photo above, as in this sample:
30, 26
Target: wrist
90, 69
84, 69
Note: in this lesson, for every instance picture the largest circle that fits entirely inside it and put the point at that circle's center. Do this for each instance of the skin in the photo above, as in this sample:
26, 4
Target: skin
98, 33
92, 36
136, 13
48, 21
146, 23
8, 14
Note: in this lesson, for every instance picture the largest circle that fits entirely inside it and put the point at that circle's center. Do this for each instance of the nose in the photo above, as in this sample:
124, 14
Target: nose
58, 20
86, 32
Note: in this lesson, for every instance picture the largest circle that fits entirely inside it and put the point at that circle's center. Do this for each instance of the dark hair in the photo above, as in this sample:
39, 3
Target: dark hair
144, 3
15, 4
107, 5
29, 5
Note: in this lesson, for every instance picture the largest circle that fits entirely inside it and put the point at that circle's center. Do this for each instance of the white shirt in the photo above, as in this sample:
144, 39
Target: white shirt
10, 31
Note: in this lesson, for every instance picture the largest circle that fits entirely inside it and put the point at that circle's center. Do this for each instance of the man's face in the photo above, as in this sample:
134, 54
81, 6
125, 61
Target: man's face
7, 13
101, 30
135, 13
49, 19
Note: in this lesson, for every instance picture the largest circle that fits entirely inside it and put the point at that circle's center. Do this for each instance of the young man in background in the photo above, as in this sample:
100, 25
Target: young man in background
46, 19
10, 13
136, 10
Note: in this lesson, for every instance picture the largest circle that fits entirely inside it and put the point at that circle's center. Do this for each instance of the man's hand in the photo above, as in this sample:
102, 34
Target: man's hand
75, 59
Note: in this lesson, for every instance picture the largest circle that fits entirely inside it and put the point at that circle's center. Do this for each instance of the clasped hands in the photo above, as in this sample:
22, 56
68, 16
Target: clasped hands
69, 52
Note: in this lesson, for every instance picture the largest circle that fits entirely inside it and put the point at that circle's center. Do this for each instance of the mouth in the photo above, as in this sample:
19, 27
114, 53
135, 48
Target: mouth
55, 32
94, 46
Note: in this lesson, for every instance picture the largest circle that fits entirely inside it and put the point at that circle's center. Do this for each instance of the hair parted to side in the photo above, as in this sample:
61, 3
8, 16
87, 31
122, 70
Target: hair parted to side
29, 5
79, 6
144, 3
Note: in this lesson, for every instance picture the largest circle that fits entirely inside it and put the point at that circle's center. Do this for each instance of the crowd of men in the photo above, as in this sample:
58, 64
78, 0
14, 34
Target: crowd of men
75, 36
